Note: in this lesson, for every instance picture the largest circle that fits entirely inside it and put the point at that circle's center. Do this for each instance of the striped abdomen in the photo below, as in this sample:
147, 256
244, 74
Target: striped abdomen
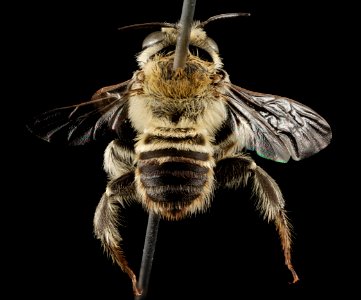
174, 174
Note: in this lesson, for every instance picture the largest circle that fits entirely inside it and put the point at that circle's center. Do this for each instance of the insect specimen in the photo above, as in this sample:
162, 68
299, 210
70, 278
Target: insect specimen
176, 135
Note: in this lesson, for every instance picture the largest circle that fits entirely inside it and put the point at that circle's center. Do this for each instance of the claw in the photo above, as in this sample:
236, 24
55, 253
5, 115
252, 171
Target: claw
136, 291
294, 274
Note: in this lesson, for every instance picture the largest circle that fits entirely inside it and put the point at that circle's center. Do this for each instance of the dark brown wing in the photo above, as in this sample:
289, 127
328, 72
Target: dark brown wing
85, 122
280, 127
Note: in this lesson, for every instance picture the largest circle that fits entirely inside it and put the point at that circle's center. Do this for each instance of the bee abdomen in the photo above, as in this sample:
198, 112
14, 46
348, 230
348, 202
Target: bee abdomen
172, 175
196, 139
174, 152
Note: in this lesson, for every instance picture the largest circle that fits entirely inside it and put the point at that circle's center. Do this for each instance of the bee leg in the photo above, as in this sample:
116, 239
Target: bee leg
118, 192
118, 159
118, 163
237, 171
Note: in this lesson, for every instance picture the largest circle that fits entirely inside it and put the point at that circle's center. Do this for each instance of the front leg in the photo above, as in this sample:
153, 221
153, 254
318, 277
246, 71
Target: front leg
235, 172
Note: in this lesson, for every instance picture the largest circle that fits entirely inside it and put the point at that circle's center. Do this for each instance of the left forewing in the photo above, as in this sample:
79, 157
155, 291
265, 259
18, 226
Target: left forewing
83, 123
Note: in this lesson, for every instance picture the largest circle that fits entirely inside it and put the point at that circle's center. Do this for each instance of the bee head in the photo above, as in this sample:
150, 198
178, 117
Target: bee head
163, 42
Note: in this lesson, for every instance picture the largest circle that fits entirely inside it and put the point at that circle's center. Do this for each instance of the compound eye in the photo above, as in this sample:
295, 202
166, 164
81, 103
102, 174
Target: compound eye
211, 43
153, 38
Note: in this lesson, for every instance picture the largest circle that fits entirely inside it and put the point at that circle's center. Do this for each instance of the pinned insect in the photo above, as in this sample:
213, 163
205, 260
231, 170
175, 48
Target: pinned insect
177, 135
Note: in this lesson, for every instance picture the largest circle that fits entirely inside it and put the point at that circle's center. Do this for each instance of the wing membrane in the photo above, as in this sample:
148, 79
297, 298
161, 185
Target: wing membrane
281, 127
85, 122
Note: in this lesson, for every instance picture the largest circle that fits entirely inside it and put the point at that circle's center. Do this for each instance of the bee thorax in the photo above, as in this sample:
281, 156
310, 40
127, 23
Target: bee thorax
161, 80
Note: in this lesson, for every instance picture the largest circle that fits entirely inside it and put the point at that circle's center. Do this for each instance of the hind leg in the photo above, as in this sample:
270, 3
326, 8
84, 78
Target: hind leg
117, 194
238, 171
118, 163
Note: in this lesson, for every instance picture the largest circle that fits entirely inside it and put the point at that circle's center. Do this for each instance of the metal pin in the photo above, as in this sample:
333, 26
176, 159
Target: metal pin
153, 219
185, 24
148, 254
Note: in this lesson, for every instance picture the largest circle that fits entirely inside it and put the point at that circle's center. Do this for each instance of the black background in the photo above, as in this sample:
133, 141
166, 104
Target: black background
61, 53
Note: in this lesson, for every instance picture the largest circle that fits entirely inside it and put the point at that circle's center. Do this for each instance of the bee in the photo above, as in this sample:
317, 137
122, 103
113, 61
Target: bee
176, 135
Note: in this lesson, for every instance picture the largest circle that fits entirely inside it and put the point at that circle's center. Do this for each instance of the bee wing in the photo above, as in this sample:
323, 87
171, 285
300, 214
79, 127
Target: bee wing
281, 127
86, 122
